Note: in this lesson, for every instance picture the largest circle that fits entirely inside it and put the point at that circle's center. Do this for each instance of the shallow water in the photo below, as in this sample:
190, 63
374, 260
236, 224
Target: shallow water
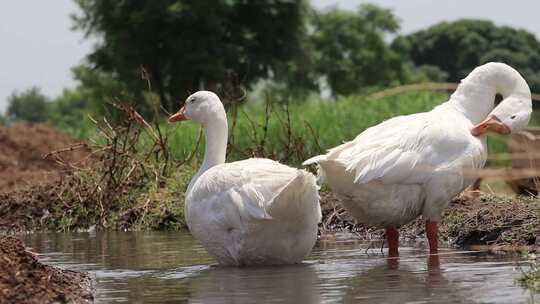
171, 267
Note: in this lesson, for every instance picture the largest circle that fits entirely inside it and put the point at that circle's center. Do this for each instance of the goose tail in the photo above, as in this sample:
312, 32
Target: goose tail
298, 198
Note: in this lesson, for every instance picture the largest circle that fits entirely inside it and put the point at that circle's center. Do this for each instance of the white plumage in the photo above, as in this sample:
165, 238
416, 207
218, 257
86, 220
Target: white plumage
414, 165
250, 212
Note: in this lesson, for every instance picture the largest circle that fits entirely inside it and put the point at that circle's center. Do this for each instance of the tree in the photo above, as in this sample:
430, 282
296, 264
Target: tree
94, 90
348, 51
185, 45
69, 111
351, 50
29, 105
92, 96
458, 47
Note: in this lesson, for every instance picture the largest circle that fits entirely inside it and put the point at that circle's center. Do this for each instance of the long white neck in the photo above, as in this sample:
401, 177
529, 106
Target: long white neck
475, 96
216, 136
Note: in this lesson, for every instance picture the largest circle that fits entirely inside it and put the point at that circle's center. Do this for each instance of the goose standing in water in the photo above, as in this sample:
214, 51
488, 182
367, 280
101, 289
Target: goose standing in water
250, 212
414, 165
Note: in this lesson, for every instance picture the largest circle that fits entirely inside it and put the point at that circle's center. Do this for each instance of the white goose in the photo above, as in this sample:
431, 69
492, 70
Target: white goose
413, 165
250, 212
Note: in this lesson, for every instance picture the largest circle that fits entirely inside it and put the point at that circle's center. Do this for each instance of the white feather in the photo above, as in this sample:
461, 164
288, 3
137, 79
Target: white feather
255, 211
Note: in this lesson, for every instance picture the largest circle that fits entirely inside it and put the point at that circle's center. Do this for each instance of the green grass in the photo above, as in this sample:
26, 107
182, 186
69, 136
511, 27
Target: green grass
530, 279
316, 125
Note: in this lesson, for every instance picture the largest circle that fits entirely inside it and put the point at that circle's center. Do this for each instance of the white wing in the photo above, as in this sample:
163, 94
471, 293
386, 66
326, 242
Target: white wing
404, 149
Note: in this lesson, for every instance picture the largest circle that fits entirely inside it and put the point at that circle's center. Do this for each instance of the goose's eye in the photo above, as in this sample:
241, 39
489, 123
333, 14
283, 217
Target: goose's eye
513, 116
193, 100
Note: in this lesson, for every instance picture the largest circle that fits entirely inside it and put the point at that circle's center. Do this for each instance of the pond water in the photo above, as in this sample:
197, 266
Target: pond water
171, 267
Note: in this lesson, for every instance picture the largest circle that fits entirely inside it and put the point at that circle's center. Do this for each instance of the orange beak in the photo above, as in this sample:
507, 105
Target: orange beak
178, 116
491, 123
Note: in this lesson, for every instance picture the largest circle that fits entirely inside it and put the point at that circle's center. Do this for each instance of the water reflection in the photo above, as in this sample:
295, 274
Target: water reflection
160, 267
290, 284
121, 250
396, 281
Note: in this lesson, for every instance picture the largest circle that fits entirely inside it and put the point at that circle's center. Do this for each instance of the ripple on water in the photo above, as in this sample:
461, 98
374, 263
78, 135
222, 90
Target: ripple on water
183, 272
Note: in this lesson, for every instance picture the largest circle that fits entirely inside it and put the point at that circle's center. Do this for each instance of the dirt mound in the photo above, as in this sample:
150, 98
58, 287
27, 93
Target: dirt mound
22, 147
25, 280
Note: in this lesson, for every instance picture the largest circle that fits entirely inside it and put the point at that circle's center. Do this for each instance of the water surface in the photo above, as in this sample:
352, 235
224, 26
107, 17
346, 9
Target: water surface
171, 267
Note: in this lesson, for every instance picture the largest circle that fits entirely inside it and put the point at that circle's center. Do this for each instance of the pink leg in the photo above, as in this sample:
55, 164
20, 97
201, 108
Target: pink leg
432, 231
392, 236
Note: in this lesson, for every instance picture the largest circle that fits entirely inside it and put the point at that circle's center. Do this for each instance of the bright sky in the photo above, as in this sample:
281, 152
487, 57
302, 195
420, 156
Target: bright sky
38, 48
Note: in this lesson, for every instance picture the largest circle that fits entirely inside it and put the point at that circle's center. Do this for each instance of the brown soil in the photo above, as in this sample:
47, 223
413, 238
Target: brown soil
22, 150
24, 279
28, 209
503, 223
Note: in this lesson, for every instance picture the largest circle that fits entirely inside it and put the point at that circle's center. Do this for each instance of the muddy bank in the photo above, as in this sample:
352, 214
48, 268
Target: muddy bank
500, 223
25, 280
71, 204
30, 209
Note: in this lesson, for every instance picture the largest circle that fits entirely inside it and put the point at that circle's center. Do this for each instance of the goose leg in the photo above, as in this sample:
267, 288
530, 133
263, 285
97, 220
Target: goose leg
392, 236
432, 231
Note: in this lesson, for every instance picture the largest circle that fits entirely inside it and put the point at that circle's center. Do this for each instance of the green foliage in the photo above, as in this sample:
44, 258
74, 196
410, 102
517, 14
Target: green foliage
458, 47
351, 51
96, 87
183, 44
497, 144
68, 112
347, 52
29, 105
71, 110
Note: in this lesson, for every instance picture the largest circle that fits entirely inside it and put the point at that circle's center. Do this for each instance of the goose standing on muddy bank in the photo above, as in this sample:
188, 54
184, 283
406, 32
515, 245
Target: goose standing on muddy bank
414, 165
250, 212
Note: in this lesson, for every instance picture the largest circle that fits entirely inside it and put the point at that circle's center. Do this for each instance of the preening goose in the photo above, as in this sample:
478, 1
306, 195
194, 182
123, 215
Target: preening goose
414, 165
250, 212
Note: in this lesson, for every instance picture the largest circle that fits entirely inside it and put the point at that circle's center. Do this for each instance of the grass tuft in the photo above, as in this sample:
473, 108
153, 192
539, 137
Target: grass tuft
530, 279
